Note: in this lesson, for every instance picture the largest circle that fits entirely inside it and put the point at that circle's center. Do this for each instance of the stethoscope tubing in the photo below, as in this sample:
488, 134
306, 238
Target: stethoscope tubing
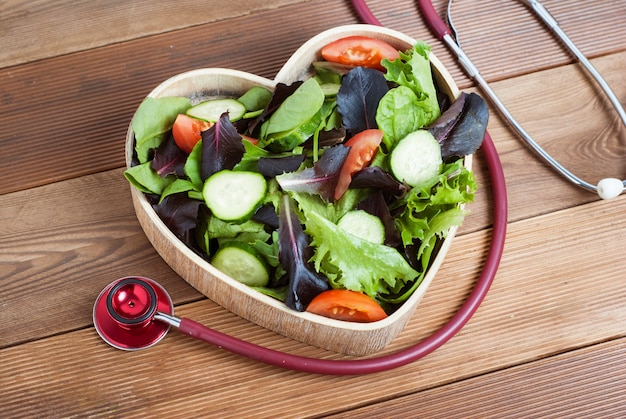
396, 359
551, 23
411, 353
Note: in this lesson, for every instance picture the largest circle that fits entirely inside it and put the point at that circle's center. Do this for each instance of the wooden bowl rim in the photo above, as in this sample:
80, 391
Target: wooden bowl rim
308, 49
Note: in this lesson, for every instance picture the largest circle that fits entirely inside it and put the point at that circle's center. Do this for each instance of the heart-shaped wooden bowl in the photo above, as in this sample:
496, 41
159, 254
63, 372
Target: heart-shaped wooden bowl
339, 336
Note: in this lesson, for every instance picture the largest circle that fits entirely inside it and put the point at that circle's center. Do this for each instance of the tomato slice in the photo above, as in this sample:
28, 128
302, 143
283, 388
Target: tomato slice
187, 131
359, 51
347, 305
251, 140
363, 148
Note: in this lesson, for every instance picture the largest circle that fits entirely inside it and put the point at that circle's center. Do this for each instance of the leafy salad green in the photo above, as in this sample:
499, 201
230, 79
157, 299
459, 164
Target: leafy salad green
302, 129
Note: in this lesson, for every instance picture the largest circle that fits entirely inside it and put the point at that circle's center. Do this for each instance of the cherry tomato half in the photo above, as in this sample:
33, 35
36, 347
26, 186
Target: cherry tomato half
251, 140
359, 51
347, 305
187, 131
363, 148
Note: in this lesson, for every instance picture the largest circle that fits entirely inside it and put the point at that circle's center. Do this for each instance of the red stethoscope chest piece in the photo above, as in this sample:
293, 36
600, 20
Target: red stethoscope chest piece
123, 314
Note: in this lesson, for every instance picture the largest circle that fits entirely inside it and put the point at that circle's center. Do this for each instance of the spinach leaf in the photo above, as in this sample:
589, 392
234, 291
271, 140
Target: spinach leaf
287, 141
192, 167
255, 98
152, 120
178, 186
146, 179
297, 109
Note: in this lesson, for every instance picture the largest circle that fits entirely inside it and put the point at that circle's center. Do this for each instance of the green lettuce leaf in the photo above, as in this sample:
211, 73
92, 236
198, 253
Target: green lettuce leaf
153, 119
412, 72
353, 263
297, 109
146, 179
431, 210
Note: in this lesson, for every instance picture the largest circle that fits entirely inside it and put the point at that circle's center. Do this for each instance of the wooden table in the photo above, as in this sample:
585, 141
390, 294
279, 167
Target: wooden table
549, 339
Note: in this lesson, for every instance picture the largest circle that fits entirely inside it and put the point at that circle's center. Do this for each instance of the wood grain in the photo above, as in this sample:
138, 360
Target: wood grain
548, 339
35, 30
573, 384
71, 239
530, 313
105, 85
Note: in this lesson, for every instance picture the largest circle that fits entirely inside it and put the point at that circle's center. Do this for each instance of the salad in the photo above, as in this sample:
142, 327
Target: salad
330, 194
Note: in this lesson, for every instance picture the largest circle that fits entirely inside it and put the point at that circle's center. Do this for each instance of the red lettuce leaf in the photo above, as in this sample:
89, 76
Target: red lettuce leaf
375, 177
304, 282
222, 147
357, 100
321, 178
266, 214
180, 215
274, 166
376, 205
460, 130
169, 159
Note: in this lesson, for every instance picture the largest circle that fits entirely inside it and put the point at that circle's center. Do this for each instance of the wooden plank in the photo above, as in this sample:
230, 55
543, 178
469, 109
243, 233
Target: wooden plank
504, 37
599, 139
34, 30
70, 236
87, 110
583, 383
529, 313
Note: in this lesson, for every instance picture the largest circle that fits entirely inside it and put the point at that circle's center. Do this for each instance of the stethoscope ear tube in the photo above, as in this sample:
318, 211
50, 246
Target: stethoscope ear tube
607, 188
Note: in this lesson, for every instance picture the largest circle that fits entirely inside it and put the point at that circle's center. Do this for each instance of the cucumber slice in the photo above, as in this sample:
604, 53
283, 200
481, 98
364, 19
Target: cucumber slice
211, 110
364, 225
416, 158
234, 196
241, 262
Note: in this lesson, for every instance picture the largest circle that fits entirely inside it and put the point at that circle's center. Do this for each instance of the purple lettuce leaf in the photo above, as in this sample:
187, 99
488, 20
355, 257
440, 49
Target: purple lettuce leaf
377, 178
169, 159
460, 130
304, 282
180, 215
222, 147
320, 179
266, 214
274, 166
376, 205
357, 100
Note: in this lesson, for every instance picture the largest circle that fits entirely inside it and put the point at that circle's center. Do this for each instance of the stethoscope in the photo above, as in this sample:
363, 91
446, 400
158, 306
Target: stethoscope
606, 188
133, 313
